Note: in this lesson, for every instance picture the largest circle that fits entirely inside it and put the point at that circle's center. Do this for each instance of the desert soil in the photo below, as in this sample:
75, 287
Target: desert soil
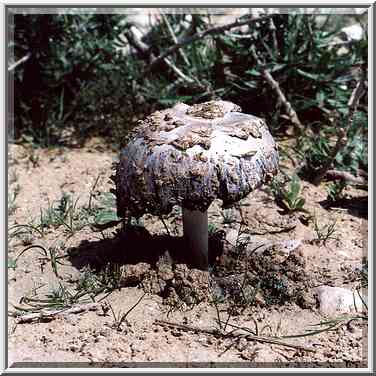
168, 289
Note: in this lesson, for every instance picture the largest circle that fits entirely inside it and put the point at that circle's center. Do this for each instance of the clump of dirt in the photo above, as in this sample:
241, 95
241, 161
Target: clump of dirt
282, 282
175, 283
264, 278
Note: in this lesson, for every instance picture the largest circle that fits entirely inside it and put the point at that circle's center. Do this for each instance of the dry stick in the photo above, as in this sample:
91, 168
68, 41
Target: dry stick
144, 50
179, 72
53, 314
342, 132
165, 226
275, 86
201, 35
289, 110
17, 63
273, 29
176, 69
216, 332
346, 176
174, 38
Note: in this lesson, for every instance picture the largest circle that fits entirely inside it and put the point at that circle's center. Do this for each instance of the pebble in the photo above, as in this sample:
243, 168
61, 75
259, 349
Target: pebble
335, 300
74, 348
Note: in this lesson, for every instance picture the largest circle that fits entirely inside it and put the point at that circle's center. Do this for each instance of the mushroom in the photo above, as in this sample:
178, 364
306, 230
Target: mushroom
190, 156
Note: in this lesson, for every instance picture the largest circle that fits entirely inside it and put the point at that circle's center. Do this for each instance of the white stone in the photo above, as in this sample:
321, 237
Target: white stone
336, 300
353, 32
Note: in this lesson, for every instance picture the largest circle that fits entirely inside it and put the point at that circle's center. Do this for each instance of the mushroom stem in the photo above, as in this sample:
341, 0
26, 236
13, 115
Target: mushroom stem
195, 225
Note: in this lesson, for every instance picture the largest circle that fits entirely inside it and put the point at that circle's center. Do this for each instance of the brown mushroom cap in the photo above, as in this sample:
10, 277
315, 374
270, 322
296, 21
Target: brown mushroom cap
192, 155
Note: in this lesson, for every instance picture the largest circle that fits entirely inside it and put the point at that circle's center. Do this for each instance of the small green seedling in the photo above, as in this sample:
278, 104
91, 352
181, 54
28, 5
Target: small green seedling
335, 191
212, 228
289, 198
324, 232
12, 264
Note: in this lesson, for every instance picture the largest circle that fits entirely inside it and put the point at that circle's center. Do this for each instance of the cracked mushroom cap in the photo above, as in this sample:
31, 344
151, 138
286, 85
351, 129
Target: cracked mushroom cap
192, 155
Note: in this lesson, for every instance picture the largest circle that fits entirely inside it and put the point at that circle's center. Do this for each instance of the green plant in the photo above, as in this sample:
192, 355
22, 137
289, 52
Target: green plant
228, 216
68, 51
324, 232
24, 229
335, 191
61, 296
78, 61
66, 213
288, 195
104, 212
212, 228
34, 157
12, 264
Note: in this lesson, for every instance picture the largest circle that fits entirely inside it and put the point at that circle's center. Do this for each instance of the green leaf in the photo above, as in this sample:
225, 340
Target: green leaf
277, 67
294, 187
312, 76
108, 200
12, 264
104, 217
299, 203
320, 97
253, 72
286, 204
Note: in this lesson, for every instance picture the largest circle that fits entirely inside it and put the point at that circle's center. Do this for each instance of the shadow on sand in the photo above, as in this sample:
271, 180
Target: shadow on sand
356, 206
134, 245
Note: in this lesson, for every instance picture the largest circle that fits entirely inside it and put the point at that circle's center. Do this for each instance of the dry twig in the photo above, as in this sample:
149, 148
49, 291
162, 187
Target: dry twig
346, 176
231, 334
202, 35
291, 113
357, 93
145, 52
50, 314
174, 38
19, 62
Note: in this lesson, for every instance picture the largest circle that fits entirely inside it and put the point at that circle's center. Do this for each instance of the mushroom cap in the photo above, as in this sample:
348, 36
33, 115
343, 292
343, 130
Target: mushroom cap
192, 155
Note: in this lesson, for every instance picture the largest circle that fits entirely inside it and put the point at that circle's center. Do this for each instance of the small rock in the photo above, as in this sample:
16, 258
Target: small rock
232, 236
176, 333
132, 275
165, 271
242, 344
334, 300
74, 348
263, 354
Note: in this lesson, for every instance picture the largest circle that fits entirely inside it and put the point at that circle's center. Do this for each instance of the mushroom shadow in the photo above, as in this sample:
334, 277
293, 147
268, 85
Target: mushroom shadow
135, 245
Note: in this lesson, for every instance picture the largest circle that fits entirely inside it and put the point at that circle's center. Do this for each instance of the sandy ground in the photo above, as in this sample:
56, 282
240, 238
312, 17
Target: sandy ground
94, 337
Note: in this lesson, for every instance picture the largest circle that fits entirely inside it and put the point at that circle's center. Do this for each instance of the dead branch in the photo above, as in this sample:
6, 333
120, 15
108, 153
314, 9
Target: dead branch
19, 62
291, 113
232, 334
144, 50
289, 109
342, 133
346, 177
202, 35
178, 72
174, 38
50, 314
273, 29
